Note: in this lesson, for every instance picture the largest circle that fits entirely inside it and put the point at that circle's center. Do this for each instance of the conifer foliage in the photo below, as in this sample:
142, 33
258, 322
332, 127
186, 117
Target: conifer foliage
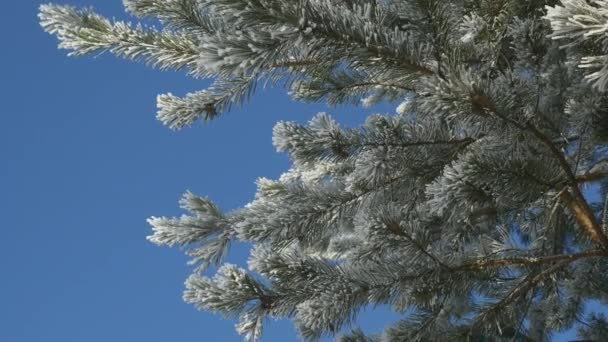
469, 210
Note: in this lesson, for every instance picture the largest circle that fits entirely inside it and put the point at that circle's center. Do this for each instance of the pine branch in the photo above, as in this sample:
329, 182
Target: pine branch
186, 15
576, 202
310, 235
85, 32
207, 227
517, 292
585, 217
296, 63
323, 139
578, 22
345, 27
597, 172
591, 177
529, 261
468, 194
420, 247
465, 141
344, 85
177, 113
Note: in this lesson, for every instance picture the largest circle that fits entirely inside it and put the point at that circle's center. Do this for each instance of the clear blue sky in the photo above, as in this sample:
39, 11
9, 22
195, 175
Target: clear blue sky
84, 163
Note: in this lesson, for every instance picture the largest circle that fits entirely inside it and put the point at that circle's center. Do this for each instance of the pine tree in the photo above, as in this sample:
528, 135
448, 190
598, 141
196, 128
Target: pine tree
469, 210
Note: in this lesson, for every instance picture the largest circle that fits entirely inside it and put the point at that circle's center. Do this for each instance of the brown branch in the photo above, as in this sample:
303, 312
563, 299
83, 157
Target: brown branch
584, 217
576, 201
591, 177
482, 104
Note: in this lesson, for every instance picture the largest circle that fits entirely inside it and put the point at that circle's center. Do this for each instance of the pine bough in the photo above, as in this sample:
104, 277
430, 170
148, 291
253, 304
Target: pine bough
465, 211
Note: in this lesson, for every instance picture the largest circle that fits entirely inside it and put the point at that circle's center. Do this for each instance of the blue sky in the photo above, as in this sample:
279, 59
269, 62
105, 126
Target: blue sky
84, 163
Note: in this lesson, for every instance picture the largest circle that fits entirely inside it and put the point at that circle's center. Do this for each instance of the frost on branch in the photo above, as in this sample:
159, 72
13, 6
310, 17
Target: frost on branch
581, 22
85, 32
231, 292
469, 212
207, 228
